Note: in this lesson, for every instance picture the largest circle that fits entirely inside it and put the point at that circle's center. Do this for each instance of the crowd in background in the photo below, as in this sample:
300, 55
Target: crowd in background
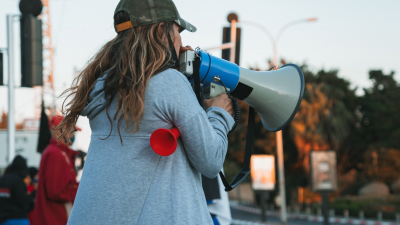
44, 196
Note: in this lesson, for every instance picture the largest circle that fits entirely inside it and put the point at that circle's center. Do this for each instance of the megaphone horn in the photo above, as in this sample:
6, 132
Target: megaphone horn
164, 142
275, 95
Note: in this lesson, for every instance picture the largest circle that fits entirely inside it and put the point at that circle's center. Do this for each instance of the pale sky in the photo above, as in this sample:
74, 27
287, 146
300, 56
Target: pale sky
351, 36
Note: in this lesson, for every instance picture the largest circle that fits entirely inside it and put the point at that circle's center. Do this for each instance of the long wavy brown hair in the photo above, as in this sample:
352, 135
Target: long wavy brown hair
130, 59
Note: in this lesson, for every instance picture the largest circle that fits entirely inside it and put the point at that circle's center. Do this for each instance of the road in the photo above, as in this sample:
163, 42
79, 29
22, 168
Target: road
241, 217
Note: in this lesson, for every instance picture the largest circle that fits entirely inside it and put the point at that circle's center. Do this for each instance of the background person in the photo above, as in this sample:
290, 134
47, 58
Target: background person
14, 199
128, 91
57, 184
33, 173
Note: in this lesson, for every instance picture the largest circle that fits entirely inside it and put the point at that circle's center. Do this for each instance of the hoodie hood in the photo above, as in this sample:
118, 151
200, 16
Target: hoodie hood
97, 100
32, 172
18, 167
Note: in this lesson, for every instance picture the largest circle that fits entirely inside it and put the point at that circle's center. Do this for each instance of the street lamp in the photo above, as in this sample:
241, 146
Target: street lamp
275, 40
279, 142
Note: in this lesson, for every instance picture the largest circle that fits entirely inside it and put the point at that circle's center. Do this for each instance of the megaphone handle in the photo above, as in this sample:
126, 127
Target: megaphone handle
236, 113
247, 155
235, 103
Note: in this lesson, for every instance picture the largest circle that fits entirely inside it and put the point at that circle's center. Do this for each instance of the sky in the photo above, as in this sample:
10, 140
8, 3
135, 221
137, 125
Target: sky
350, 36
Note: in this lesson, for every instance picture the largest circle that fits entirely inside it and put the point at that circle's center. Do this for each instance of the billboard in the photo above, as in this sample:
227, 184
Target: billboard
31, 124
323, 171
262, 172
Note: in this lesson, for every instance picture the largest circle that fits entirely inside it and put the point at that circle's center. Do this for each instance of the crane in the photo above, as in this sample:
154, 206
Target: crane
47, 92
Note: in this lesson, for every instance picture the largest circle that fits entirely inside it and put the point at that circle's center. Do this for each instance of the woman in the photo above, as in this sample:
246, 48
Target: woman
127, 91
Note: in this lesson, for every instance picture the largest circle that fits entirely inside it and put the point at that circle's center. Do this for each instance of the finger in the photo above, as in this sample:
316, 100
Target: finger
186, 48
224, 96
230, 108
228, 102
183, 49
220, 97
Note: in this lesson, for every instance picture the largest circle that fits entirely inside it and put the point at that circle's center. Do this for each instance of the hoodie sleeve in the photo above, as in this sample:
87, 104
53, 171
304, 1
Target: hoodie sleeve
205, 139
203, 133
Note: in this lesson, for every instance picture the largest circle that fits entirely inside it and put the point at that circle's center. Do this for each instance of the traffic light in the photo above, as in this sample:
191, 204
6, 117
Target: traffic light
31, 51
1, 69
31, 43
226, 38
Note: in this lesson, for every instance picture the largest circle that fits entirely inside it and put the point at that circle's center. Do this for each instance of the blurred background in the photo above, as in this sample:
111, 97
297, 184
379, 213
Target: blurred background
349, 52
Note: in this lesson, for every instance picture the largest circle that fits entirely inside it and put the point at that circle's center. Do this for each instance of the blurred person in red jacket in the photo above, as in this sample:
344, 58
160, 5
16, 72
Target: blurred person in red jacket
57, 184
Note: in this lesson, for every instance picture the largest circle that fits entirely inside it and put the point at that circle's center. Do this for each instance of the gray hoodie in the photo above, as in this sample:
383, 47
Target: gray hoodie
130, 183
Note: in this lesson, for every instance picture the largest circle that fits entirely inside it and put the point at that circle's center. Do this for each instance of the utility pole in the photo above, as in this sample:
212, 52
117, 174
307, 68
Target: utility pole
279, 151
231, 40
29, 61
11, 99
233, 18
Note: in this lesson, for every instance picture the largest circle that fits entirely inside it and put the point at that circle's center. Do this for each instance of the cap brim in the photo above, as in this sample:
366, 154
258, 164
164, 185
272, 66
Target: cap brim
185, 25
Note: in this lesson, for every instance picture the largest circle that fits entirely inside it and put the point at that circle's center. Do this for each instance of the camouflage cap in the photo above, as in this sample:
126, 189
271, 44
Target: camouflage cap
145, 12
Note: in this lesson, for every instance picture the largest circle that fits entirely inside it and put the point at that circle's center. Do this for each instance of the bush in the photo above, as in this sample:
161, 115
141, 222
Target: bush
371, 206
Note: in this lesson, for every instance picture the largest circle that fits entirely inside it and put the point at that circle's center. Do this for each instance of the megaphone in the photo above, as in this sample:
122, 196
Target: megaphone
275, 95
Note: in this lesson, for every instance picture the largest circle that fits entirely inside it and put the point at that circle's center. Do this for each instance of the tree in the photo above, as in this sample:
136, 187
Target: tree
325, 118
378, 112
3, 122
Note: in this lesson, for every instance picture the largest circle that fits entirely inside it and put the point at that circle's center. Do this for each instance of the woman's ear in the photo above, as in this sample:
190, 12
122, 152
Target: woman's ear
160, 31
